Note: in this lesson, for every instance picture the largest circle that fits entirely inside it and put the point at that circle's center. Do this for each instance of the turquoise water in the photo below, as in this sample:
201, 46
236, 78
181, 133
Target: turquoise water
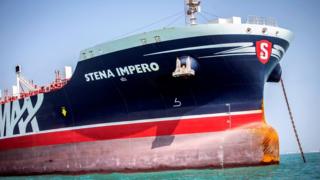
291, 167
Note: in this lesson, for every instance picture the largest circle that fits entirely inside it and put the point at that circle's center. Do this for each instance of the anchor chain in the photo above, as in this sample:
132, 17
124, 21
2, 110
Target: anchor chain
292, 121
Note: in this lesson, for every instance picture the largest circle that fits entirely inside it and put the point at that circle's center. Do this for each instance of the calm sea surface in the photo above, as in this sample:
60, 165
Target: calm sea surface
291, 167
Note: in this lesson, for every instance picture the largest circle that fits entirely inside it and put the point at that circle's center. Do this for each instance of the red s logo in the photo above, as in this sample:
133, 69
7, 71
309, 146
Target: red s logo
263, 51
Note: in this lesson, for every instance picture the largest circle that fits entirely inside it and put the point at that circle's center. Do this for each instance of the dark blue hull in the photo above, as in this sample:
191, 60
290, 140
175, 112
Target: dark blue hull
219, 81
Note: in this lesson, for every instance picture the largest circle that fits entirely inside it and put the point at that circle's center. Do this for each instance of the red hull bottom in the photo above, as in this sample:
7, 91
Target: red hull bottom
246, 146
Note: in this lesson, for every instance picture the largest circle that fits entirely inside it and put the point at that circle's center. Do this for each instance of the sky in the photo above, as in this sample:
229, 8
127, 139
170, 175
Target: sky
45, 35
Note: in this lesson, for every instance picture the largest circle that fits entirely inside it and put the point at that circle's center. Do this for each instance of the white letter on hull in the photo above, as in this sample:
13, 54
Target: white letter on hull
103, 74
264, 51
124, 71
145, 67
110, 73
89, 77
131, 69
138, 68
154, 66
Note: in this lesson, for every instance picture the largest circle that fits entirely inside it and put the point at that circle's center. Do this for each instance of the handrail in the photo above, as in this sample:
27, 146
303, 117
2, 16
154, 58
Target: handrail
268, 21
261, 21
44, 89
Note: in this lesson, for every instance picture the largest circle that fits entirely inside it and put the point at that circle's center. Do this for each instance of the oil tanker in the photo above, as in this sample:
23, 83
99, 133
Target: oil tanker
173, 98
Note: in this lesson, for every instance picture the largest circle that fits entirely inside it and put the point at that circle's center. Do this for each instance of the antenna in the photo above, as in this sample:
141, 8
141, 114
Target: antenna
192, 8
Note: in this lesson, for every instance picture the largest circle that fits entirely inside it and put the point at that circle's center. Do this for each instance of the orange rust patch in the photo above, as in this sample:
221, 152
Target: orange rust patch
269, 143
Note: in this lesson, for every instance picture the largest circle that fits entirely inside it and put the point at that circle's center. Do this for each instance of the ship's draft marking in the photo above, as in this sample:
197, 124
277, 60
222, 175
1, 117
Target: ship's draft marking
177, 103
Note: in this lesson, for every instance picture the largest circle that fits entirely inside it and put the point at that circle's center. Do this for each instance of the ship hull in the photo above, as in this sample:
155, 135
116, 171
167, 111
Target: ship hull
255, 144
109, 118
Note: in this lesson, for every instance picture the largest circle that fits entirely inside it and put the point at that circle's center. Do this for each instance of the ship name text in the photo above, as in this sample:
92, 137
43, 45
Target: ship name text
122, 71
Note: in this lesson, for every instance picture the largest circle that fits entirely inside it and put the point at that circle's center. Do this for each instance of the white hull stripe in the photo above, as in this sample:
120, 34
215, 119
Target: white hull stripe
243, 44
242, 54
224, 55
241, 49
277, 52
138, 121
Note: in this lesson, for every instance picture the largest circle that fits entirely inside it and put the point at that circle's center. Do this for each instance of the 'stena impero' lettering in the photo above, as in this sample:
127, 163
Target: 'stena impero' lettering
122, 71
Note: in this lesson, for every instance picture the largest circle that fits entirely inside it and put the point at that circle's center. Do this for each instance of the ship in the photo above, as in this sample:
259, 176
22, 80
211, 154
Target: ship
174, 98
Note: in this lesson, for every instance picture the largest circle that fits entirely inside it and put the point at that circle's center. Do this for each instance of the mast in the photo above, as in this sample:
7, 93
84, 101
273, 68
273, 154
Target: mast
18, 71
22, 82
192, 8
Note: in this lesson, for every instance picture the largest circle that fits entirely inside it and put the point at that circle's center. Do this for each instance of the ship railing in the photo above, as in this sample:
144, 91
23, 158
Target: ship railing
269, 21
43, 89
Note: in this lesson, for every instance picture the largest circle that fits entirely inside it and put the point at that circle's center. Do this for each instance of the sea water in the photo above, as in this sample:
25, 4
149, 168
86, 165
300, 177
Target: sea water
291, 167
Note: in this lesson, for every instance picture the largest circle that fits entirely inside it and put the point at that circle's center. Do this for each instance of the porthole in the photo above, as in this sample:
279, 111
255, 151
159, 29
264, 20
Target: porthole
264, 30
249, 30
